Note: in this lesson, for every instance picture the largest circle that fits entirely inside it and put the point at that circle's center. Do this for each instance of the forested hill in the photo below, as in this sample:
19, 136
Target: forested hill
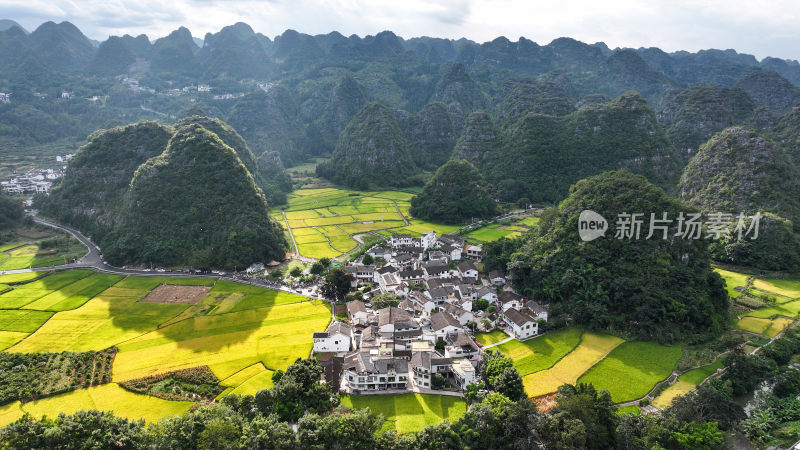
504, 105
152, 194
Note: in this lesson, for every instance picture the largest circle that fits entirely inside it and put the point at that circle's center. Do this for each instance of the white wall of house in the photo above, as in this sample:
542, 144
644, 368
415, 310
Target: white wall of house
336, 343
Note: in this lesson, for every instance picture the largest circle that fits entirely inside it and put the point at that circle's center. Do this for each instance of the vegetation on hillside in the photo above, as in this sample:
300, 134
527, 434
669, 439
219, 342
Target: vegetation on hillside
372, 150
455, 194
651, 288
196, 203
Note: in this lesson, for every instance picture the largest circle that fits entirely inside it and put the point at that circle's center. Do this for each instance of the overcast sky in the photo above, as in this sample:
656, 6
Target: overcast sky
759, 27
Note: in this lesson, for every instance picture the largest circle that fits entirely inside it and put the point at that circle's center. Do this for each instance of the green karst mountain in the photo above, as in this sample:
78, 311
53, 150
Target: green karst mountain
430, 135
787, 134
478, 140
459, 92
372, 150
740, 171
200, 173
175, 53
455, 194
268, 121
770, 90
651, 288
197, 203
541, 155
693, 115
90, 194
346, 99
268, 173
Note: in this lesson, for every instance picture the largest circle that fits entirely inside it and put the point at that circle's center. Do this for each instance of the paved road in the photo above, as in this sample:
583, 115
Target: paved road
94, 260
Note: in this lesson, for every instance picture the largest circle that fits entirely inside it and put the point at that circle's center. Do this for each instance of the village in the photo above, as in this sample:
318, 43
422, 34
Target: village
38, 182
425, 343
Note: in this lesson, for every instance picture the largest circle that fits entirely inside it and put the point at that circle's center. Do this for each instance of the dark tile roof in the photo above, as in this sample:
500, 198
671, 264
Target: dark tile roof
356, 306
496, 274
392, 315
320, 335
387, 269
441, 320
464, 266
339, 327
519, 318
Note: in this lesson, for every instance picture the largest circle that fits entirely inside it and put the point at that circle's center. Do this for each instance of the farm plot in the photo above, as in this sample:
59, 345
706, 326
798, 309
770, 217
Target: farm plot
632, 369
685, 383
15, 278
76, 294
227, 343
22, 321
337, 214
408, 413
20, 258
25, 294
112, 317
786, 288
789, 309
9, 338
107, 397
592, 349
489, 233
732, 280
542, 352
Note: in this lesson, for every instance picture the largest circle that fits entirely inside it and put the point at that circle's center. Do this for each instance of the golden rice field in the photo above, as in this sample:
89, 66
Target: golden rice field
322, 221
242, 332
591, 350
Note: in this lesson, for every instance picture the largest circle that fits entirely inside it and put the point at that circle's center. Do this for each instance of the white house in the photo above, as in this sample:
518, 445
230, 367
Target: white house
443, 323
467, 269
497, 278
357, 313
362, 373
474, 252
400, 240
464, 373
436, 271
486, 293
461, 315
508, 299
336, 339
522, 325
428, 239
388, 317
459, 345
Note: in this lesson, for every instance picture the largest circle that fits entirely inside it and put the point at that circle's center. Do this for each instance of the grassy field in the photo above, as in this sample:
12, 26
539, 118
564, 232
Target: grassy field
685, 384
409, 413
76, 294
591, 350
632, 369
507, 228
732, 280
21, 277
491, 338
542, 352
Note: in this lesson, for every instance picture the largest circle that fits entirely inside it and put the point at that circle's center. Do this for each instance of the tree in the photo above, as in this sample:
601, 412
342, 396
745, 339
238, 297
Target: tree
480, 305
317, 268
440, 344
437, 381
523, 203
326, 262
367, 259
509, 383
381, 301
336, 284
275, 275
596, 411
296, 271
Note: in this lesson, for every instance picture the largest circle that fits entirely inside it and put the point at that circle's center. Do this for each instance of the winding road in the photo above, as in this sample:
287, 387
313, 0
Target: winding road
94, 260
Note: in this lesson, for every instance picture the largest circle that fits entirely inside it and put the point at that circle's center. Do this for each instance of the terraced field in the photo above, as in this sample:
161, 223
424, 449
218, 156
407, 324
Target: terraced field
242, 332
409, 412
543, 352
632, 369
508, 228
323, 221
591, 350
685, 383
732, 280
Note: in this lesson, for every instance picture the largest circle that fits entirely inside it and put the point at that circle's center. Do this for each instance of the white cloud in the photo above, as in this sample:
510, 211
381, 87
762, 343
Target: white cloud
760, 27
